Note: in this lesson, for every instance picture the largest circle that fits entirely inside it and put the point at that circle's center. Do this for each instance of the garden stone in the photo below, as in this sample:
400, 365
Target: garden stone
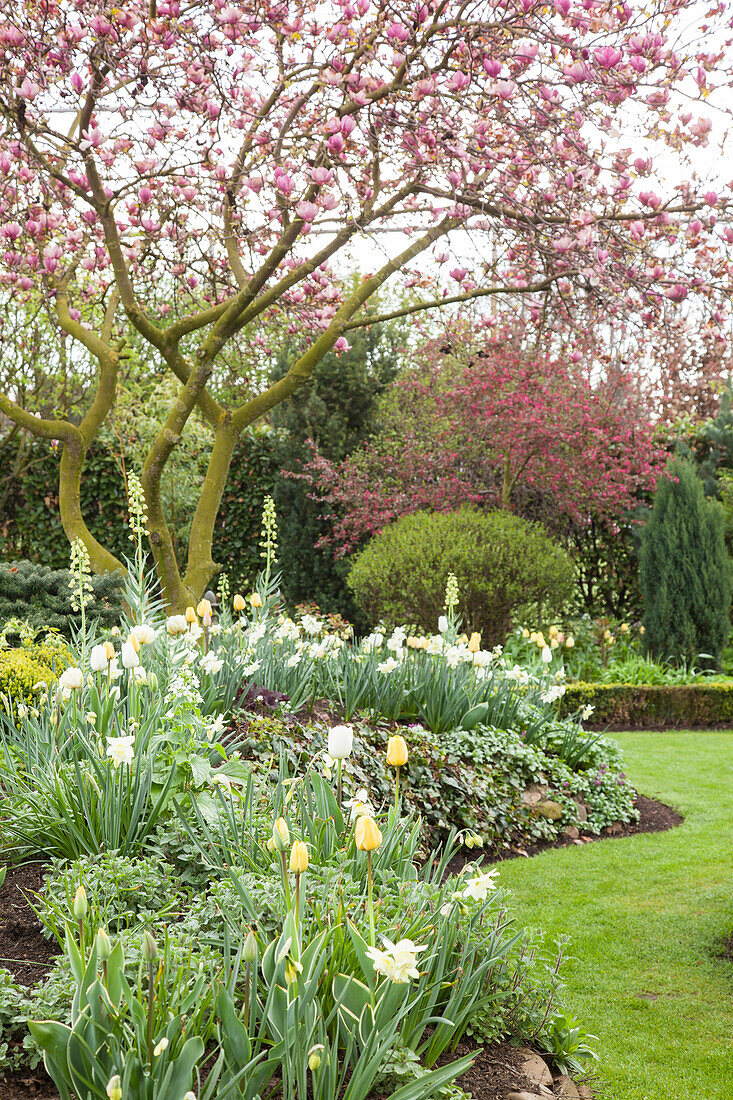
584, 1092
566, 1088
534, 793
553, 811
522, 1096
535, 1068
572, 832
582, 810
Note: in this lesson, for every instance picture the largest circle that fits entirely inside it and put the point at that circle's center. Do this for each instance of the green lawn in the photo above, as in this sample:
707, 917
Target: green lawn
645, 915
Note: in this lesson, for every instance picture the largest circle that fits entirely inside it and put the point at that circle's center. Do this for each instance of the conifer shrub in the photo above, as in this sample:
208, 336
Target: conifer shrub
41, 597
685, 571
502, 563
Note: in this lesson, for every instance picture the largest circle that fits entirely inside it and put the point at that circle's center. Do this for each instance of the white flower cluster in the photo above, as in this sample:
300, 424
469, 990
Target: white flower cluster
398, 961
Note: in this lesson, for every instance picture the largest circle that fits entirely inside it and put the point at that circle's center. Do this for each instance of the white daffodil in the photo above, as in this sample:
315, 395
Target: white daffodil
359, 805
398, 961
120, 750
211, 663
388, 666
478, 888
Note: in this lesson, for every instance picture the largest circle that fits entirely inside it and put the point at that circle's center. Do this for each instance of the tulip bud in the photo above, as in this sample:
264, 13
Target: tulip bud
134, 641
152, 681
367, 834
104, 945
206, 619
149, 948
397, 752
190, 615
281, 835
474, 643
114, 1088
109, 650
255, 599
80, 907
238, 602
298, 858
249, 951
340, 742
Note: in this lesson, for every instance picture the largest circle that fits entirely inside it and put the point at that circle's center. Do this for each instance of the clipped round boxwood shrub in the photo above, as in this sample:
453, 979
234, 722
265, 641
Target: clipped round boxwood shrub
501, 562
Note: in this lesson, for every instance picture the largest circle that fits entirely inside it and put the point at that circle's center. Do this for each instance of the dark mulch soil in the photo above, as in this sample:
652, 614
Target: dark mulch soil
28, 955
27, 1084
24, 951
494, 1073
654, 817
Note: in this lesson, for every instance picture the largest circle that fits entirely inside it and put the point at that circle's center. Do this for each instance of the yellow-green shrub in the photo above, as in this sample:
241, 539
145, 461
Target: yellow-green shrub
21, 669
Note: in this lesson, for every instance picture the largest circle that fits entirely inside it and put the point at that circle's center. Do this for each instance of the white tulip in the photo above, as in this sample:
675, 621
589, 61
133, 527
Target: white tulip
176, 624
130, 658
340, 742
546, 655
144, 634
71, 679
98, 658
443, 624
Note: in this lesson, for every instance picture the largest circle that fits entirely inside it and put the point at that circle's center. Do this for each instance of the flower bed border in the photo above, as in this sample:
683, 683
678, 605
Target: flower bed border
652, 706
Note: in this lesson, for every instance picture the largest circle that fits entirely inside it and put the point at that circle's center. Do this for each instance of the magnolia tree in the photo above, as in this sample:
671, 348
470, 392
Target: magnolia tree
191, 171
501, 426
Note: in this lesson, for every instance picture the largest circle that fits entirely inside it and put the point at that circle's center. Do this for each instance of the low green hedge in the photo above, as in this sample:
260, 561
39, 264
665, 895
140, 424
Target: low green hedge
651, 706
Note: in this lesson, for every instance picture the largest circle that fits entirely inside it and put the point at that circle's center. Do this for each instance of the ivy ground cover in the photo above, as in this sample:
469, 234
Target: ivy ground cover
647, 917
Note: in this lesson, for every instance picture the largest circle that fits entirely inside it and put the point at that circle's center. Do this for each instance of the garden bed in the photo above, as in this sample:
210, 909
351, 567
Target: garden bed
29, 956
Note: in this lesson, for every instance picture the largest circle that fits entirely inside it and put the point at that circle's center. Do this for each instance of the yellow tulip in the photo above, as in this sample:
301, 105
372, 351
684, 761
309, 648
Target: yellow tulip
281, 834
109, 651
203, 607
397, 752
474, 643
367, 834
298, 858
132, 639
255, 599
238, 602
190, 615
